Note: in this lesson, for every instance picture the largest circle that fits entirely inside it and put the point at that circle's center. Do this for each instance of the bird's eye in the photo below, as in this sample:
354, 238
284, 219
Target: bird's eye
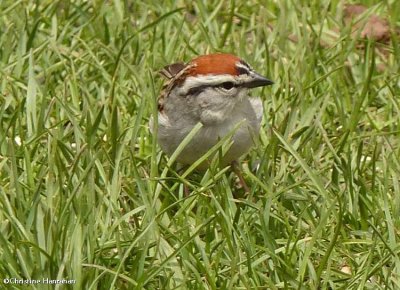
227, 85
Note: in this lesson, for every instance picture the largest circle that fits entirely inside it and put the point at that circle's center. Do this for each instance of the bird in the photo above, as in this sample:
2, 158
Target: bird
213, 90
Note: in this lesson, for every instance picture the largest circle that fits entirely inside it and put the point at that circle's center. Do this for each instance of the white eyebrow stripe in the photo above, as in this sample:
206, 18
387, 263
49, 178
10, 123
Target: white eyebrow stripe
244, 66
210, 80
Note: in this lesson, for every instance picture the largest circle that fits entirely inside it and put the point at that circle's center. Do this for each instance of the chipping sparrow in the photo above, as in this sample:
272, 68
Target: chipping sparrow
211, 89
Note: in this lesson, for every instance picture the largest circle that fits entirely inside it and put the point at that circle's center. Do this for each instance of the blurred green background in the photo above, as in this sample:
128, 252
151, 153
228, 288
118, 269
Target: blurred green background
86, 193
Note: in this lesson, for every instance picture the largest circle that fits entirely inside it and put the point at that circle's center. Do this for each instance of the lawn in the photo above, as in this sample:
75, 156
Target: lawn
88, 198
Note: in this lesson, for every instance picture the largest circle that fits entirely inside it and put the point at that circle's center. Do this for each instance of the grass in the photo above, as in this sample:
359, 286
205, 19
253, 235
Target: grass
87, 195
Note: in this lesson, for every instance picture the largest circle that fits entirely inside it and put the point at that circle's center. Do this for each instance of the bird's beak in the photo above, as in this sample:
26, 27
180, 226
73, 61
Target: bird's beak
257, 80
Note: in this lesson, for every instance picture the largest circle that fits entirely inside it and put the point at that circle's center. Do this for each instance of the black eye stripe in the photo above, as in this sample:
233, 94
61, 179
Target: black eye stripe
195, 90
225, 85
